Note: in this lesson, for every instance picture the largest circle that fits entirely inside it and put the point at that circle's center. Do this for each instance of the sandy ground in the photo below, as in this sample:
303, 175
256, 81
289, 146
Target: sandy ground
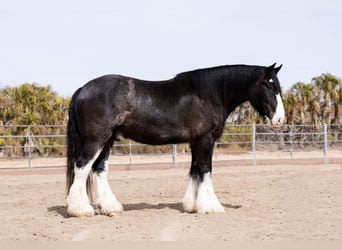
263, 203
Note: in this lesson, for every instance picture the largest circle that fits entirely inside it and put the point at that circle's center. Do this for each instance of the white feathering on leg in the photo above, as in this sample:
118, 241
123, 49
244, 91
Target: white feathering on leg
189, 200
206, 198
77, 201
105, 198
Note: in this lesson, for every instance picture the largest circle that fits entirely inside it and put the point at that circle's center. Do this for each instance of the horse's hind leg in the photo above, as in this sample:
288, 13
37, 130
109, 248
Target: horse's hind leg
200, 195
105, 199
77, 201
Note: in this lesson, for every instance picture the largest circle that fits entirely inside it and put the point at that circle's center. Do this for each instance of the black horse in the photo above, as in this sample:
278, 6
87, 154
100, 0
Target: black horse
192, 107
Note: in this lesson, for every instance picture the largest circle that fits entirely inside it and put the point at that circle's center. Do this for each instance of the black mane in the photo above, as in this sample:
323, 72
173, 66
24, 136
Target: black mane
221, 82
239, 72
221, 78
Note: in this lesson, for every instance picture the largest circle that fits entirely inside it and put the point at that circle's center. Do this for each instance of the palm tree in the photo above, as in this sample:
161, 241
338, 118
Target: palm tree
31, 104
298, 96
304, 105
290, 105
330, 94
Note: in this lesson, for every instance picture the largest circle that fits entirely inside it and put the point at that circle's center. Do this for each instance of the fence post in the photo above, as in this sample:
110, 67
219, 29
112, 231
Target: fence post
29, 145
253, 144
215, 151
174, 155
325, 131
291, 142
130, 152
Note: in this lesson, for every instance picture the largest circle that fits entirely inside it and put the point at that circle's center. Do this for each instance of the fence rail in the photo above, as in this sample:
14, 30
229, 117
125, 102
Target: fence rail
26, 146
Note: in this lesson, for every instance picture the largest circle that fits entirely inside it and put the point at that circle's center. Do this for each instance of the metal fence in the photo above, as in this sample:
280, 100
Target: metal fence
44, 146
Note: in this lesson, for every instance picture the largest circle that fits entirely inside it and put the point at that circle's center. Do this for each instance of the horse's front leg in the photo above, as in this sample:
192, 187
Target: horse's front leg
200, 195
207, 201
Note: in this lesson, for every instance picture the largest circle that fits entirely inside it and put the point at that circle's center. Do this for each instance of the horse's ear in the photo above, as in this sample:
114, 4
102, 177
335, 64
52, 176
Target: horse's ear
277, 69
269, 69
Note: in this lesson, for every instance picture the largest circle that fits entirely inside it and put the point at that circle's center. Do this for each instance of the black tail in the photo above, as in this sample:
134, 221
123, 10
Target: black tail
74, 146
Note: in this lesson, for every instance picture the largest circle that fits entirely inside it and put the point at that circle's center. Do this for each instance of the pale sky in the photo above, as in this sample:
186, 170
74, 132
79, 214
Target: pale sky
66, 43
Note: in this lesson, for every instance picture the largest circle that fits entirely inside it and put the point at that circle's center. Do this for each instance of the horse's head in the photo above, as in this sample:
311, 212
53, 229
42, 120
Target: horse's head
266, 96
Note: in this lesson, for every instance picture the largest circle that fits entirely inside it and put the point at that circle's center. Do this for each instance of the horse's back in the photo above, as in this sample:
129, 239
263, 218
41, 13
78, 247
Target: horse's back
145, 111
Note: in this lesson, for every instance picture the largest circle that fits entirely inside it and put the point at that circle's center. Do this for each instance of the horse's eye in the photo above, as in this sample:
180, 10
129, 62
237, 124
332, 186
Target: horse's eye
269, 84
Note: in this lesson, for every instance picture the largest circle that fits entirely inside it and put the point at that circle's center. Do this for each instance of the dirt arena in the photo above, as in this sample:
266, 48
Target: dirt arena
262, 203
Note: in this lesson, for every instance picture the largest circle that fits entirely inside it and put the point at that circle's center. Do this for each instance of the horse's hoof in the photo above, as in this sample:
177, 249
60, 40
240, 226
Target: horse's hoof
115, 214
213, 208
111, 213
87, 214
87, 211
112, 208
189, 207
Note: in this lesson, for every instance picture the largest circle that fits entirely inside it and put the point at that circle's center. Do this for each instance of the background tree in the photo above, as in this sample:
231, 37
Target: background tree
330, 97
31, 104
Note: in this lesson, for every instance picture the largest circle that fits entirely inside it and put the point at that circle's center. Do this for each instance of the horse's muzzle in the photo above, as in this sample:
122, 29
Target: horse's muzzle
275, 122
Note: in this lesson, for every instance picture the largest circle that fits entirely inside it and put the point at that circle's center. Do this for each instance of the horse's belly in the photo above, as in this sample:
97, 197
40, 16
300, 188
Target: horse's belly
156, 135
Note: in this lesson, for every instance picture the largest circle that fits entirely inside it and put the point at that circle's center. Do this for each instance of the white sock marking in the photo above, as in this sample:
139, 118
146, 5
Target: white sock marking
105, 198
206, 198
189, 200
77, 200
200, 197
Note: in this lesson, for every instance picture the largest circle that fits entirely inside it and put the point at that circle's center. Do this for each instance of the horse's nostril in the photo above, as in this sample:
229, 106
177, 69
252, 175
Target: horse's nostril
279, 122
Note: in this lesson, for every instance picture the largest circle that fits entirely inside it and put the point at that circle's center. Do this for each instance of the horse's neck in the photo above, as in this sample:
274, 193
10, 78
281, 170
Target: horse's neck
235, 93
227, 88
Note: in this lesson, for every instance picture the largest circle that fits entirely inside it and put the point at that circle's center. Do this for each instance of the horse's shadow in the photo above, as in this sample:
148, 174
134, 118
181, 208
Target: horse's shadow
159, 206
61, 210
146, 206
